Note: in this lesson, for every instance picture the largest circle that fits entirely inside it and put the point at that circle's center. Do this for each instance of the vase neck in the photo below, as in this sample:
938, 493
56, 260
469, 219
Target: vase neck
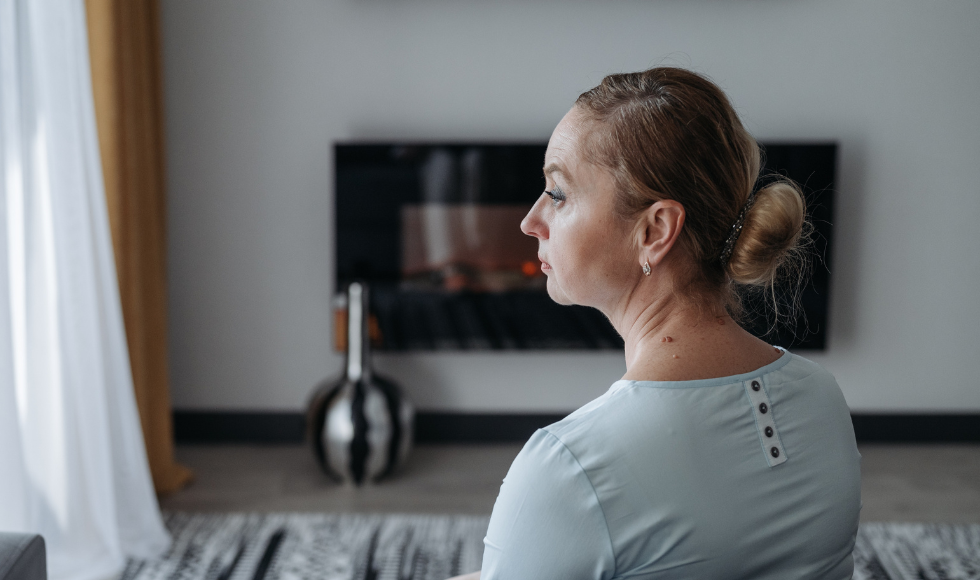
358, 341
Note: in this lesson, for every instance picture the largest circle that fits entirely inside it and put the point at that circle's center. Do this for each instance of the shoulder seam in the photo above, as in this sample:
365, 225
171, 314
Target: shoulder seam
602, 510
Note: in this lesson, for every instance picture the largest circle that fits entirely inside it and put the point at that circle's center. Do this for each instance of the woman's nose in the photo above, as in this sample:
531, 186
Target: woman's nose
533, 224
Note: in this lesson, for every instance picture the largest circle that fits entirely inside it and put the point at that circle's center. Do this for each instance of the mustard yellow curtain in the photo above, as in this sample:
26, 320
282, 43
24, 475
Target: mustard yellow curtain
124, 47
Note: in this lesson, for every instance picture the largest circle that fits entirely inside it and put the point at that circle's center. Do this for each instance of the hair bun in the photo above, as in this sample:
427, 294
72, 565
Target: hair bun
770, 237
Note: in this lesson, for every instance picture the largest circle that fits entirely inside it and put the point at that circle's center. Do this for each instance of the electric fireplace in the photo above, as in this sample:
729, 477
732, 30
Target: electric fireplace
434, 229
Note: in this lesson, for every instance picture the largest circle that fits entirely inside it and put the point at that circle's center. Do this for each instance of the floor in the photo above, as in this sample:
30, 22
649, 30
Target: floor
914, 483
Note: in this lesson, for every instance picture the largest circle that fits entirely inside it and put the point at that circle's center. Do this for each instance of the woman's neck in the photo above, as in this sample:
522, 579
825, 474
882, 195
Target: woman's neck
668, 339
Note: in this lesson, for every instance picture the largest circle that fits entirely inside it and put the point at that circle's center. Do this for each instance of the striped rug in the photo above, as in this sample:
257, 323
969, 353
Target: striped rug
286, 546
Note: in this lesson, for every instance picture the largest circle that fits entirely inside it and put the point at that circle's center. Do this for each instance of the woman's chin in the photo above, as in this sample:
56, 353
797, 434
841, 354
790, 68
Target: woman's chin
557, 294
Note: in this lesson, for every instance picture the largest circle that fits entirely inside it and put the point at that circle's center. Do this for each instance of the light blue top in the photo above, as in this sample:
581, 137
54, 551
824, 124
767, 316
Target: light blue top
681, 480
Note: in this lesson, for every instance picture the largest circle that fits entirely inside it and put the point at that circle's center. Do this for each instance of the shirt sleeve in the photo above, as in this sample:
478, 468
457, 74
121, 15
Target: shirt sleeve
547, 522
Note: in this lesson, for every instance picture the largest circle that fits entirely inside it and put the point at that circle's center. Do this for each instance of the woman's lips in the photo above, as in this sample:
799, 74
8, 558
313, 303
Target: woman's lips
545, 266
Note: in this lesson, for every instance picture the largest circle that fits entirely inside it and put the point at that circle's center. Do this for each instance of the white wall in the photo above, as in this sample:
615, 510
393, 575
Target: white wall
257, 91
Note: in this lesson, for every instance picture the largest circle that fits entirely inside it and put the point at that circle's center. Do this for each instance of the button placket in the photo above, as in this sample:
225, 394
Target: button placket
772, 446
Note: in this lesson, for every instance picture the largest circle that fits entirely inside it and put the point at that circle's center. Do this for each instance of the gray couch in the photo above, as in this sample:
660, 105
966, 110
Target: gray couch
22, 557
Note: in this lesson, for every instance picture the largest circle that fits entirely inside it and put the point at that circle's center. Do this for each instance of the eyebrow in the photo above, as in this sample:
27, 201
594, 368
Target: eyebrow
555, 168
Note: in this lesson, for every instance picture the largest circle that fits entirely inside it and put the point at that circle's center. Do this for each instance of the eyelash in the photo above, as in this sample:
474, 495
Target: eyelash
557, 195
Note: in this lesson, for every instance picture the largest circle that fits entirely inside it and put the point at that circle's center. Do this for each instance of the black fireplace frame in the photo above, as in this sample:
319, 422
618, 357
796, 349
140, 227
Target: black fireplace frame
372, 180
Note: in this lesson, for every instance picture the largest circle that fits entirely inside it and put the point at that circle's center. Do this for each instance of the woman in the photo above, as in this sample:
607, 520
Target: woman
716, 455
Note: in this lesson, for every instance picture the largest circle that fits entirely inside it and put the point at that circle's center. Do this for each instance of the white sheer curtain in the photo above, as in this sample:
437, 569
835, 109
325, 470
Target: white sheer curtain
72, 461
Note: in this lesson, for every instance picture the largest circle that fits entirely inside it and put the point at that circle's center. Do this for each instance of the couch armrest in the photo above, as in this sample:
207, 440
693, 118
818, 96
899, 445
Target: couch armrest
22, 557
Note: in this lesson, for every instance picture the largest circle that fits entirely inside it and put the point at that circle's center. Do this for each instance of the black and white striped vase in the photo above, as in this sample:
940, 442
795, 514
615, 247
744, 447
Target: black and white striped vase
361, 425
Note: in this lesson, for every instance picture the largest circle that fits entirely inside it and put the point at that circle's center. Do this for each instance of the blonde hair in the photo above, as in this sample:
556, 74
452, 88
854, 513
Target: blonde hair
669, 133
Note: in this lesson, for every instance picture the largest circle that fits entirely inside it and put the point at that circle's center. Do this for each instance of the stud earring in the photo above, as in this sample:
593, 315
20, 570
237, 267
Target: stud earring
646, 268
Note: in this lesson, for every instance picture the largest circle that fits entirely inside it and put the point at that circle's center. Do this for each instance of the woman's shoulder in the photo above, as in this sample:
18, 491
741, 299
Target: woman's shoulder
582, 420
799, 368
805, 383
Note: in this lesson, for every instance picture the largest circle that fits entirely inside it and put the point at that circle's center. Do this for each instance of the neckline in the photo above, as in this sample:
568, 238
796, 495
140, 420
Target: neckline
712, 382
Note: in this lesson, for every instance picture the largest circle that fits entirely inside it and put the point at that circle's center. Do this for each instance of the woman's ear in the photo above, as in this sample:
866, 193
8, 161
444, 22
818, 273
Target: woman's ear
657, 232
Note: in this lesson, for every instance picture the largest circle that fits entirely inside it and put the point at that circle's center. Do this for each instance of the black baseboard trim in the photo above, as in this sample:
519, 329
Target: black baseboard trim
238, 427
289, 428
480, 427
430, 427
900, 428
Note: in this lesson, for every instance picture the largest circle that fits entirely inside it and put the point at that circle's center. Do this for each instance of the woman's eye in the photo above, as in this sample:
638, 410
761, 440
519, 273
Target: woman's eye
557, 196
